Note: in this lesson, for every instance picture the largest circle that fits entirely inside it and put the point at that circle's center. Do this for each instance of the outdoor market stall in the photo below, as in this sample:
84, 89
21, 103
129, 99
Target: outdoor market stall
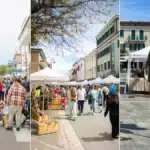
137, 84
41, 94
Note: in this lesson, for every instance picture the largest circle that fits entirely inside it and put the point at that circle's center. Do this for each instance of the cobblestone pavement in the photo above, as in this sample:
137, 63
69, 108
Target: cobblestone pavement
135, 123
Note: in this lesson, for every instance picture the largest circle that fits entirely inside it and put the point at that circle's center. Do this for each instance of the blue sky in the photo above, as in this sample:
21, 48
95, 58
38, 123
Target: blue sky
135, 10
12, 15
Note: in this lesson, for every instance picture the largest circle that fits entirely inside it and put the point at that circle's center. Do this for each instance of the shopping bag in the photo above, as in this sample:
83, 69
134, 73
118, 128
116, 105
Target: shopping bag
5, 110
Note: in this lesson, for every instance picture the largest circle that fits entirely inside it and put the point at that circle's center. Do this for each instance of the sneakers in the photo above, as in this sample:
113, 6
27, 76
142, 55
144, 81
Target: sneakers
9, 128
94, 114
17, 129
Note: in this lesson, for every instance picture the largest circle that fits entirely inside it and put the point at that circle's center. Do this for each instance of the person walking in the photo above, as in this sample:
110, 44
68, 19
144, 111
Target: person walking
105, 91
81, 95
100, 99
112, 106
73, 104
16, 99
93, 95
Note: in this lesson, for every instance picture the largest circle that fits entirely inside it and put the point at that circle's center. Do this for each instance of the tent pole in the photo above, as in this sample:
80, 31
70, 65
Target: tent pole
128, 71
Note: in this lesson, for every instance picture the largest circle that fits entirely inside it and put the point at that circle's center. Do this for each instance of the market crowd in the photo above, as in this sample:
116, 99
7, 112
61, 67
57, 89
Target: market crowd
14, 102
100, 99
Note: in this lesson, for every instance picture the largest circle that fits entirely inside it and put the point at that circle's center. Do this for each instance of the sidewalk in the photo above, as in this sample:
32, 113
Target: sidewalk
86, 133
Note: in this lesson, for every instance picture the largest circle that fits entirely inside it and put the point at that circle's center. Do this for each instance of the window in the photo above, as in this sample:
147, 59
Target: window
141, 65
140, 46
101, 67
121, 33
108, 64
105, 66
98, 69
112, 30
124, 46
118, 43
133, 35
141, 35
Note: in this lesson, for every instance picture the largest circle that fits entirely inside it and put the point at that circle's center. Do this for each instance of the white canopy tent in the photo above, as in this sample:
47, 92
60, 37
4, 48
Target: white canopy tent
139, 55
111, 79
50, 75
84, 82
97, 80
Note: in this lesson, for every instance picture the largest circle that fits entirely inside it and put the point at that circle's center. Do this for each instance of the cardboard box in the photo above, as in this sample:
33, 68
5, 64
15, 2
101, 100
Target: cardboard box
46, 128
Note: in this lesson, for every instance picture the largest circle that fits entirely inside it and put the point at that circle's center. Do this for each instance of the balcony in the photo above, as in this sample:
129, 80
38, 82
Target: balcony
137, 38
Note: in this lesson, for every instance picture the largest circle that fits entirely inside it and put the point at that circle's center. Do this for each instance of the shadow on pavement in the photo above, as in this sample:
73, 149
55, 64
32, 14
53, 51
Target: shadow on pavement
125, 139
104, 137
131, 127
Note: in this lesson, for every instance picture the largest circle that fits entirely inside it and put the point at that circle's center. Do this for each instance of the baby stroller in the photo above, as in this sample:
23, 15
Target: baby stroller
26, 113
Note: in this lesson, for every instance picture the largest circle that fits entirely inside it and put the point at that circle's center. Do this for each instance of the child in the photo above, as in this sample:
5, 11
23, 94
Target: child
100, 99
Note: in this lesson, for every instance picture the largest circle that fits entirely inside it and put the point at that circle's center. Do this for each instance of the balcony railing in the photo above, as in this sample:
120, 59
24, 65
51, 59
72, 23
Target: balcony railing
137, 38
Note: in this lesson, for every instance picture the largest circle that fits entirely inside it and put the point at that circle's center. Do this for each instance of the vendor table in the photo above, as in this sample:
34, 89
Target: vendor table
139, 84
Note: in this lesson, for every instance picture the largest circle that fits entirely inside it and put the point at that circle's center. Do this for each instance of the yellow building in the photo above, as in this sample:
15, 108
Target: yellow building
90, 65
38, 60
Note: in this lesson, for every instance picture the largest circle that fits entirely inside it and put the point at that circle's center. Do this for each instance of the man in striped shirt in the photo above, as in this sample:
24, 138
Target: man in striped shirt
16, 99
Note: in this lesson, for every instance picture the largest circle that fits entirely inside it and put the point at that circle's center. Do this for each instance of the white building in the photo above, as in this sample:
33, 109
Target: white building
134, 35
80, 71
108, 51
24, 41
90, 65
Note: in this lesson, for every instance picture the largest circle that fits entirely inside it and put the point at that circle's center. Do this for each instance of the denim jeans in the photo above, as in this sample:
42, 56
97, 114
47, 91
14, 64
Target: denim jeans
73, 109
94, 105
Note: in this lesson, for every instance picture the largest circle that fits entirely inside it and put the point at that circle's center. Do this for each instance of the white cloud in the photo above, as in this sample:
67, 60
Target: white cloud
12, 14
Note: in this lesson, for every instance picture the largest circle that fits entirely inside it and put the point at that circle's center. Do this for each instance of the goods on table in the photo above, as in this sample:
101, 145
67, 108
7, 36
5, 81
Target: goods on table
45, 128
56, 104
36, 116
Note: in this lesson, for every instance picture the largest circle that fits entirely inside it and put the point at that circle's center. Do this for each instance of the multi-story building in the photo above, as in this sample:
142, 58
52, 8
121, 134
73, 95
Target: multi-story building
24, 41
80, 70
17, 64
74, 76
108, 51
90, 65
134, 35
38, 60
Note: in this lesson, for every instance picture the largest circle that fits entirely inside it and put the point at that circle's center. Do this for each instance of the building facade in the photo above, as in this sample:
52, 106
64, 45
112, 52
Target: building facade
90, 65
24, 42
134, 36
17, 60
74, 76
80, 70
38, 60
108, 49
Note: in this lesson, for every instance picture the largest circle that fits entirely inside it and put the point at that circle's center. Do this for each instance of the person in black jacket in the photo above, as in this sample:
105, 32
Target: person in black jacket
112, 106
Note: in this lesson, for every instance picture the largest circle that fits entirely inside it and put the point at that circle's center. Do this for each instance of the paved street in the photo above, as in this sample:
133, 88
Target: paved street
14, 140
135, 123
86, 133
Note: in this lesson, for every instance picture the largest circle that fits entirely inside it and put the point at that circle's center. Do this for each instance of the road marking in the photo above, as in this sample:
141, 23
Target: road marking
69, 137
23, 135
